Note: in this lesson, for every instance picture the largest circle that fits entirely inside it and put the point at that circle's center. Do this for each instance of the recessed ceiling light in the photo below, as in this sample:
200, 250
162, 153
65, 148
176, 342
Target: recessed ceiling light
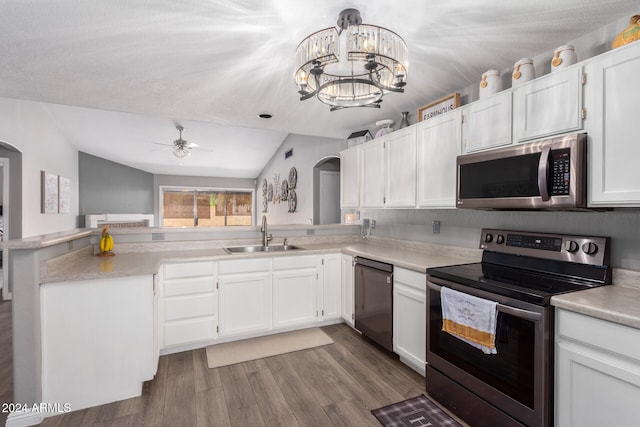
265, 116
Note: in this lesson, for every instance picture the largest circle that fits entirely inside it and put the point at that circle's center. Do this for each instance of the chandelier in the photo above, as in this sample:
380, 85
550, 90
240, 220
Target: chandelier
352, 65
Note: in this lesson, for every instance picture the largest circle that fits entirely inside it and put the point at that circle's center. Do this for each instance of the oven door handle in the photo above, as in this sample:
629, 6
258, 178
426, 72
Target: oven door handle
517, 312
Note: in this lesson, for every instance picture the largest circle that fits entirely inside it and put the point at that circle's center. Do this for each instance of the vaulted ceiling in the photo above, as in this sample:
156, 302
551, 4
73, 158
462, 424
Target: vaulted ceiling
118, 74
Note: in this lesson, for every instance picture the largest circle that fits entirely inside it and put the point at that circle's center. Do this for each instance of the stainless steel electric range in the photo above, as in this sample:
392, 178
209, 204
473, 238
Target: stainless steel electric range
520, 271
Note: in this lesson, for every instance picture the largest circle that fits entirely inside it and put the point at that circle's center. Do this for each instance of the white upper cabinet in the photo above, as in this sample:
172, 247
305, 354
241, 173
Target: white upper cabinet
372, 177
400, 161
438, 145
350, 178
549, 105
611, 100
487, 123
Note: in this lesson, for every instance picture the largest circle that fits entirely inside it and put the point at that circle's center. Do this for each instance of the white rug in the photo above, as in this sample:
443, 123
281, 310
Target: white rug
271, 345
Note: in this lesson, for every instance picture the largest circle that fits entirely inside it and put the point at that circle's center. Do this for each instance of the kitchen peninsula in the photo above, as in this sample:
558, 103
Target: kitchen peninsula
102, 308
123, 301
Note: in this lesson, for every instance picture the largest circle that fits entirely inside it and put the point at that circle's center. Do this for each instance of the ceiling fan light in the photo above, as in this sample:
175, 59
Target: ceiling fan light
180, 152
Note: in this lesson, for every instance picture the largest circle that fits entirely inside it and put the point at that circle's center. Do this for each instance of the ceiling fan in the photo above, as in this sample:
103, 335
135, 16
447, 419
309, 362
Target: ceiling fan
181, 147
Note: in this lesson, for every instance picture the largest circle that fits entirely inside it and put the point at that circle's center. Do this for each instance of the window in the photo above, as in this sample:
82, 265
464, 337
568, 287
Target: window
187, 207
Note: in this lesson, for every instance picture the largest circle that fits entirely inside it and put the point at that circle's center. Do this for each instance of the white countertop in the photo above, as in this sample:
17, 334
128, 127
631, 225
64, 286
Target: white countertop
38, 242
83, 265
619, 303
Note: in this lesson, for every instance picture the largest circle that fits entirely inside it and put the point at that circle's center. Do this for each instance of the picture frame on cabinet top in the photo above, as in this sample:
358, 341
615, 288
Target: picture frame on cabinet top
441, 106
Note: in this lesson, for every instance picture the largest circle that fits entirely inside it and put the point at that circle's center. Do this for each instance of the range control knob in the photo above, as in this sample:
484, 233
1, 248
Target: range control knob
570, 246
488, 238
590, 248
499, 239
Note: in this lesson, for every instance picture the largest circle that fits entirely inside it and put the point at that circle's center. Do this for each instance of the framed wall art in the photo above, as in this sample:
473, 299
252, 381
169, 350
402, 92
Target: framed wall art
49, 192
64, 195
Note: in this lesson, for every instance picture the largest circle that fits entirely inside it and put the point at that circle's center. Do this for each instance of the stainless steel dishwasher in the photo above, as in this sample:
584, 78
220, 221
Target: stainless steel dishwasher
374, 300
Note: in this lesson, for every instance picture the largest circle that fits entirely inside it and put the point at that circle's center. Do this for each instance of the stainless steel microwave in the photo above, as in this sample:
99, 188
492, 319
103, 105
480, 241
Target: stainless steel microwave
546, 174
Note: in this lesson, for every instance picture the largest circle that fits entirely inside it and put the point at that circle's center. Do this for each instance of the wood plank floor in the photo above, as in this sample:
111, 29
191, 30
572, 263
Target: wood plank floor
333, 385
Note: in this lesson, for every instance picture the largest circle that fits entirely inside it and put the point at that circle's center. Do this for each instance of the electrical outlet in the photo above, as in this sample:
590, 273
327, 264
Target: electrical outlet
373, 224
435, 227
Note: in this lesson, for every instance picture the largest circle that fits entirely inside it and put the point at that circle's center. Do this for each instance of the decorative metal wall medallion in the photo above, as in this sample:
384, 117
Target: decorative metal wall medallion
293, 201
293, 178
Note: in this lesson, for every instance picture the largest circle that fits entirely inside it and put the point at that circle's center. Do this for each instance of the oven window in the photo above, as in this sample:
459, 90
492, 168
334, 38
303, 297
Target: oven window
511, 370
509, 177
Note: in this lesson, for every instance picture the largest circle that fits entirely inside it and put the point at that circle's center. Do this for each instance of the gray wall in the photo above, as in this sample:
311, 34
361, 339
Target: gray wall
109, 187
462, 227
307, 151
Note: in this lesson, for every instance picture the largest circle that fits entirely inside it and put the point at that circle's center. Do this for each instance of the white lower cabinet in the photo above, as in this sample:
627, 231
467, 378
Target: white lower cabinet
156, 322
189, 308
347, 289
97, 340
244, 287
597, 372
295, 299
410, 317
329, 287
200, 302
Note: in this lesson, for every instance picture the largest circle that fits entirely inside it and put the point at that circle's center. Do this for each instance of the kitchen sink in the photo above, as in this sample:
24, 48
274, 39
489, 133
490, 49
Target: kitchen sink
258, 248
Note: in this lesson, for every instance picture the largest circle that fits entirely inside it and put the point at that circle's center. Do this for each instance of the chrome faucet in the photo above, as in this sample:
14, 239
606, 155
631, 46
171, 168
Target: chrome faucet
263, 229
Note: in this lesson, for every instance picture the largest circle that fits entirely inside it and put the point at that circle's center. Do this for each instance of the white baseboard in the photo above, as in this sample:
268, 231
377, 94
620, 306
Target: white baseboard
24, 419
420, 368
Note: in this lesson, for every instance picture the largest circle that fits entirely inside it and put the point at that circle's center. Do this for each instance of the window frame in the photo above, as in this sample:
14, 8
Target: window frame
195, 190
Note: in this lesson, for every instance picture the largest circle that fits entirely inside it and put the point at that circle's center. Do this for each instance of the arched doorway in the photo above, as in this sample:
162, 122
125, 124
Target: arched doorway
326, 191
10, 205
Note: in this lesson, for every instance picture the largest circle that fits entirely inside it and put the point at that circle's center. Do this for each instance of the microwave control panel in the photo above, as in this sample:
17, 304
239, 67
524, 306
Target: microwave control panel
560, 172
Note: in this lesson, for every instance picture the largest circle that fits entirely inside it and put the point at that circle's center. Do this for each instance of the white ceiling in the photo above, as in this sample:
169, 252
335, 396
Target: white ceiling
136, 67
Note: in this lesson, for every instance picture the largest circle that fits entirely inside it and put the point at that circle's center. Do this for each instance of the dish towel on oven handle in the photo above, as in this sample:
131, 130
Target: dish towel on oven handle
469, 318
